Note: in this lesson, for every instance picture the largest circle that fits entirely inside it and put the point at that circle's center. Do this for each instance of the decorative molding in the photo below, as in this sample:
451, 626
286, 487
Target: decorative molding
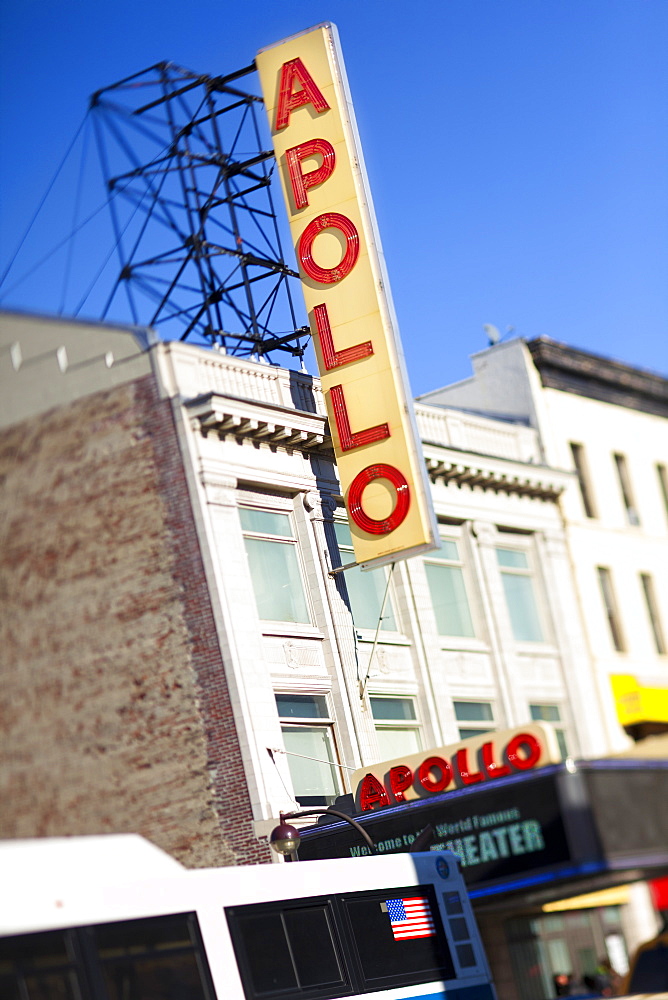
272, 425
541, 483
486, 532
220, 489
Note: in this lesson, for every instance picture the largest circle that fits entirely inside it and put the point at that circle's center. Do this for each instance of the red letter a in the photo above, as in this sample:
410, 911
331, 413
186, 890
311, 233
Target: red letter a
289, 101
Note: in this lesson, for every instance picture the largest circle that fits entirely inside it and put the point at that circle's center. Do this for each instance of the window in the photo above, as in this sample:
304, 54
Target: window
653, 612
520, 597
366, 590
582, 471
551, 713
274, 565
387, 959
478, 716
308, 735
396, 726
610, 605
157, 957
284, 949
337, 945
625, 486
662, 473
448, 594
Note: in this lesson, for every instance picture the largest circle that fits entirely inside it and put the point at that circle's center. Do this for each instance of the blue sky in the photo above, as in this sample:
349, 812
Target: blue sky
517, 152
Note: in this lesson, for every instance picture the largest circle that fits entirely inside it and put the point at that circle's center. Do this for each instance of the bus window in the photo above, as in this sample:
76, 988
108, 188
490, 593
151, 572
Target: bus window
38, 966
283, 949
460, 930
397, 937
154, 957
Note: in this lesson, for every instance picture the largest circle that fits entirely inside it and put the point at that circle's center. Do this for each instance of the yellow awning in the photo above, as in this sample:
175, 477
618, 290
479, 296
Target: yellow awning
616, 896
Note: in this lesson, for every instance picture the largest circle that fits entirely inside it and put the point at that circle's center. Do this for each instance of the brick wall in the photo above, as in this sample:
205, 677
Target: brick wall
113, 703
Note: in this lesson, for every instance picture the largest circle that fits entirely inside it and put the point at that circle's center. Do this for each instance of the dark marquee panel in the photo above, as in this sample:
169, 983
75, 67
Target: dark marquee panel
597, 820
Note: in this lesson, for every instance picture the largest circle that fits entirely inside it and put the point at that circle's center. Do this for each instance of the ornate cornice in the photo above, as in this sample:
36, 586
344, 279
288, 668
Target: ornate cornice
269, 424
494, 474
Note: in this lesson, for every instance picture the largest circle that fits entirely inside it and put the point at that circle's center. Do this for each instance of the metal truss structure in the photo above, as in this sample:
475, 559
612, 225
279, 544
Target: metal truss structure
191, 207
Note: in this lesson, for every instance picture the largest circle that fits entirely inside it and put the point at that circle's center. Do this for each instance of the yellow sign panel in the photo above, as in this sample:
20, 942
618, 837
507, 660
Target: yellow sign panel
346, 292
638, 703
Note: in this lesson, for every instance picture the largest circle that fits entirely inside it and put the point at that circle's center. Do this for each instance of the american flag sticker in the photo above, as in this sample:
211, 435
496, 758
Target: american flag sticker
410, 918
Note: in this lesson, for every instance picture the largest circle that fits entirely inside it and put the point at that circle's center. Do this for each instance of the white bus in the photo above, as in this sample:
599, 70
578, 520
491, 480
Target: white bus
114, 918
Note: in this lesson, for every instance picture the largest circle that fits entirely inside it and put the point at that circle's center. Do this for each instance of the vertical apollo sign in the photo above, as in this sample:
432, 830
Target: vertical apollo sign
347, 297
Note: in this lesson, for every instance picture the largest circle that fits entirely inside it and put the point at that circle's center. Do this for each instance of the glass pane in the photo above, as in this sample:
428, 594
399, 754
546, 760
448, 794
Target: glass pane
448, 550
312, 777
397, 742
265, 522
545, 713
37, 966
277, 581
392, 708
459, 929
384, 954
366, 592
453, 903
448, 598
473, 711
465, 734
312, 946
302, 706
465, 955
266, 953
512, 558
522, 608
563, 745
343, 536
150, 958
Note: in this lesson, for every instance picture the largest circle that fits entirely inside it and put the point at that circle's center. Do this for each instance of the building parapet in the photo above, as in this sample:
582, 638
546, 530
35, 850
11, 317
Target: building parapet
473, 433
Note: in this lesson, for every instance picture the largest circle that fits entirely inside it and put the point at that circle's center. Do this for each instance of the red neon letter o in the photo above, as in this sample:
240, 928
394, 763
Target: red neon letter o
325, 275
529, 741
424, 774
356, 511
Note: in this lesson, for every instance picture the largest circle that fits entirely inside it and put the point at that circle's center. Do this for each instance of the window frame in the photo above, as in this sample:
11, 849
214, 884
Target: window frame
560, 724
581, 465
611, 609
515, 543
626, 489
326, 723
653, 612
413, 725
662, 475
459, 564
471, 727
385, 634
348, 946
284, 508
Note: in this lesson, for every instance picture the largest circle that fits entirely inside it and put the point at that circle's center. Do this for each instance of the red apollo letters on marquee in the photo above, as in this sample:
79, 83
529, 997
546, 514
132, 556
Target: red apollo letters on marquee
435, 774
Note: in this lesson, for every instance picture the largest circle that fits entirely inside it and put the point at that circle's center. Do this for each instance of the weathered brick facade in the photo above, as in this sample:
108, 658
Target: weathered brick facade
114, 707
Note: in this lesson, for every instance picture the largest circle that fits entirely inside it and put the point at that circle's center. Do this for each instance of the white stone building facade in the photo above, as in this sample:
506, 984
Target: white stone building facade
608, 424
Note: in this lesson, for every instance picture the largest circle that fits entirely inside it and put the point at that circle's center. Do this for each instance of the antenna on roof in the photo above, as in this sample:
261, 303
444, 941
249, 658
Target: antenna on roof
493, 333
